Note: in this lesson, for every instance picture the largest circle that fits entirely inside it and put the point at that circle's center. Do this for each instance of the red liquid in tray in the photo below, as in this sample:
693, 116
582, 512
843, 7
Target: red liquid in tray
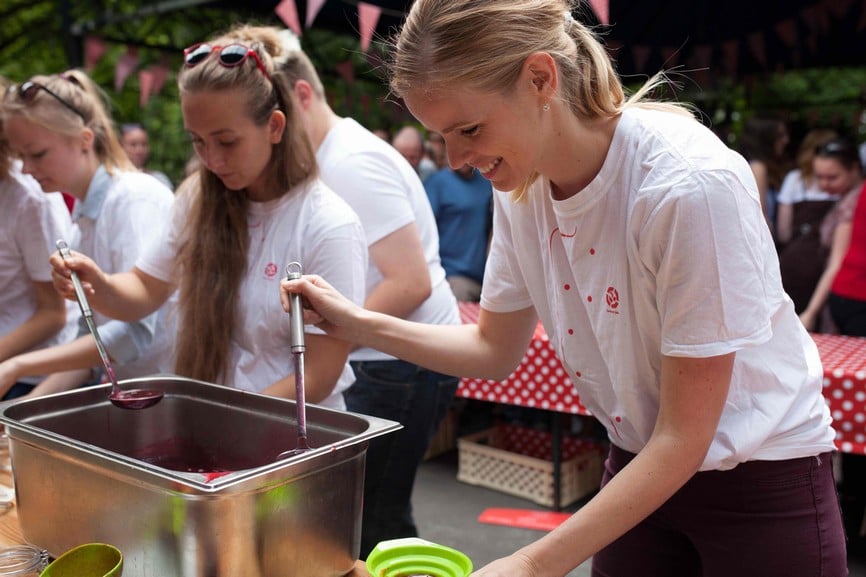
187, 457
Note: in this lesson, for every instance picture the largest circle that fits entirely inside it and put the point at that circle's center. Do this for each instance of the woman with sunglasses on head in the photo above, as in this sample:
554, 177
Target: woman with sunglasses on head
59, 126
837, 171
32, 314
638, 238
254, 205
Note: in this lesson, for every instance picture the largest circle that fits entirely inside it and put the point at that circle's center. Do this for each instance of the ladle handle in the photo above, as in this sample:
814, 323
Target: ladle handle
63, 249
294, 270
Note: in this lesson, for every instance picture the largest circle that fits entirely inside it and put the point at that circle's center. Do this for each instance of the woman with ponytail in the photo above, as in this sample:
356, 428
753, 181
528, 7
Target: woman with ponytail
60, 128
638, 238
254, 205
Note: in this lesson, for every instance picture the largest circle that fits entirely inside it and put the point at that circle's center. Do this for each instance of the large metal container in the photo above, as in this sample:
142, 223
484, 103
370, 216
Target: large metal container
189, 487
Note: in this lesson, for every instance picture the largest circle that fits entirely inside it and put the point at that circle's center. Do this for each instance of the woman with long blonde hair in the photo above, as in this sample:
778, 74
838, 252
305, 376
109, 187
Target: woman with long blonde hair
254, 205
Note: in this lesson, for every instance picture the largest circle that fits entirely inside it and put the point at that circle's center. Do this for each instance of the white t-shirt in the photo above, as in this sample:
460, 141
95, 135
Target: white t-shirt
120, 216
31, 221
383, 188
665, 252
794, 189
310, 225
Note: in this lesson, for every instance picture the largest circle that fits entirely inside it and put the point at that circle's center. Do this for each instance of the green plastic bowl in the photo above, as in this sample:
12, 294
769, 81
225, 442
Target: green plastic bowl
88, 560
413, 556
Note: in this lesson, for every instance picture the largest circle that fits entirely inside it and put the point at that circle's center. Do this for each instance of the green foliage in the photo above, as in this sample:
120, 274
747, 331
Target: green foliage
47, 36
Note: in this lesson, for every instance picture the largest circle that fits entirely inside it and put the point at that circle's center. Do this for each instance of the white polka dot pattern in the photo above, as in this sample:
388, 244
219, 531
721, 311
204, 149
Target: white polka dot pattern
844, 360
539, 381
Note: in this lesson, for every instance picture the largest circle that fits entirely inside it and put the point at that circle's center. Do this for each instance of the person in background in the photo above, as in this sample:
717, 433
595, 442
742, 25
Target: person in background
254, 206
801, 204
136, 143
639, 239
838, 172
463, 206
847, 300
436, 150
763, 142
410, 143
382, 133
59, 126
405, 278
32, 314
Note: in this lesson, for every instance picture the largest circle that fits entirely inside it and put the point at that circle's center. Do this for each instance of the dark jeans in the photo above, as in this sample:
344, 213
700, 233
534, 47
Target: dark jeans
848, 314
18, 390
416, 398
759, 519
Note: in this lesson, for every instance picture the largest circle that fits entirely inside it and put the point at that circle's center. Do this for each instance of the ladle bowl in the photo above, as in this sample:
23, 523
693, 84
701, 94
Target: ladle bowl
125, 399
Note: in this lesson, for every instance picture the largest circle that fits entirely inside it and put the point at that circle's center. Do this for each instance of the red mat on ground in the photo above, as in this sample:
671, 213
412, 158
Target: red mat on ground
523, 518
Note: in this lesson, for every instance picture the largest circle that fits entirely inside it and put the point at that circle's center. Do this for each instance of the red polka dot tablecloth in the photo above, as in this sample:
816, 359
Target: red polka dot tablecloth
541, 382
844, 360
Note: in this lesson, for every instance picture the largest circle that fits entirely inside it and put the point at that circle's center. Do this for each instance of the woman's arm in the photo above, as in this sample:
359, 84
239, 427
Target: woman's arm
405, 283
78, 354
491, 349
47, 320
126, 296
693, 394
759, 170
59, 382
324, 359
841, 242
784, 222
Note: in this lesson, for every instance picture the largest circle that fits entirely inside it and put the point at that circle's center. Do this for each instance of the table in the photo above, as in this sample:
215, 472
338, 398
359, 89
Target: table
844, 360
541, 382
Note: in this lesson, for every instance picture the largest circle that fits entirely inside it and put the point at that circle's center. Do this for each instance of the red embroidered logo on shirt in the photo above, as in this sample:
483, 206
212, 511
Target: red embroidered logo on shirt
612, 298
271, 270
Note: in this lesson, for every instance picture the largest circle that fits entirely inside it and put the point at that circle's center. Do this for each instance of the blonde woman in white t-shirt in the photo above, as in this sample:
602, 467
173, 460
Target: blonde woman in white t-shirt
59, 126
638, 238
32, 314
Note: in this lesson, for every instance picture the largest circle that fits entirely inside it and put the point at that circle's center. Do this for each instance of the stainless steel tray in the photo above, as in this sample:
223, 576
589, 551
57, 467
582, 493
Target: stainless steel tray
189, 487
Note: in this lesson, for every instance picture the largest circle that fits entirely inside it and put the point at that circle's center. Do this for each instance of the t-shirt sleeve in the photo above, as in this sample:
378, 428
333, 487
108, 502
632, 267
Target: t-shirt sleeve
40, 223
504, 288
373, 186
706, 245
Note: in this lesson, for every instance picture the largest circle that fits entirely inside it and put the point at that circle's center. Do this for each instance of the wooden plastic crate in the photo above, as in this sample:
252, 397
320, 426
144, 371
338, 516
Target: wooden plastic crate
519, 461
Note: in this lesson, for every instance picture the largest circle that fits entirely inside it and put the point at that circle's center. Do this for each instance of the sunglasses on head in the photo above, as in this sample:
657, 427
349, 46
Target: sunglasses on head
229, 56
27, 91
834, 148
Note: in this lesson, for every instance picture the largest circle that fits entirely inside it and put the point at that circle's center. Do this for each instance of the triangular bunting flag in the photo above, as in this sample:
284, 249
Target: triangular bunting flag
288, 13
602, 10
313, 7
126, 64
160, 74
145, 84
94, 50
368, 17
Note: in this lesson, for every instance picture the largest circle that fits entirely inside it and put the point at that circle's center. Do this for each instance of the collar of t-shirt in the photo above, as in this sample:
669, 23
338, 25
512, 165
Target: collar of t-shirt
96, 193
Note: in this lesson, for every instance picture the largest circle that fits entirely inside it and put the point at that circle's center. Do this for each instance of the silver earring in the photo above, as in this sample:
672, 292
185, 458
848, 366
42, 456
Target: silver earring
546, 106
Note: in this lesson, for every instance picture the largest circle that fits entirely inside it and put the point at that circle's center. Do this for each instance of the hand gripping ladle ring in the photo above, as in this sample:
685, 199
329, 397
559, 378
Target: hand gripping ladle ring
125, 399
294, 270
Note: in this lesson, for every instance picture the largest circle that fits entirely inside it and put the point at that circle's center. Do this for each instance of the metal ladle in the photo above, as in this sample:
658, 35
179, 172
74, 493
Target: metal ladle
129, 399
294, 271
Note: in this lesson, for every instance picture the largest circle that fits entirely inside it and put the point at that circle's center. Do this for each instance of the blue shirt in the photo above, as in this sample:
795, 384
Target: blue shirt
462, 208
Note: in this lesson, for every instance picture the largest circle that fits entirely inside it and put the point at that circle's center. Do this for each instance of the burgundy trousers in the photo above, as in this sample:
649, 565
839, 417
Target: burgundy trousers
760, 519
